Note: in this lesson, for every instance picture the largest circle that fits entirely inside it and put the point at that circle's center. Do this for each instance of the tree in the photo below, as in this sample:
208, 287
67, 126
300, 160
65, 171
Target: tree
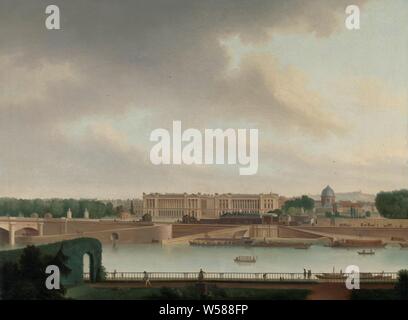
132, 209
278, 212
57, 207
291, 211
402, 284
304, 202
26, 278
393, 205
147, 217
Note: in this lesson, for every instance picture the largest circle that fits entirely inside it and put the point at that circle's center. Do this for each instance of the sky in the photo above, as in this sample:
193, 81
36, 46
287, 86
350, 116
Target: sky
78, 104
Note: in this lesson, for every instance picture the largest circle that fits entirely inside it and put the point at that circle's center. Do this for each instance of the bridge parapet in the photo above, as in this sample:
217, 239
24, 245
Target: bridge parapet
366, 277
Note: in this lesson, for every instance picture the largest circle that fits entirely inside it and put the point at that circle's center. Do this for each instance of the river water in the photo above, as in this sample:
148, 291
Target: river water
185, 258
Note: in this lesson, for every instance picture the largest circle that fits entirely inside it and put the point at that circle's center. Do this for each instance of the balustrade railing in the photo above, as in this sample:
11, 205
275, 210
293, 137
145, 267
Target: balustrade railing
248, 276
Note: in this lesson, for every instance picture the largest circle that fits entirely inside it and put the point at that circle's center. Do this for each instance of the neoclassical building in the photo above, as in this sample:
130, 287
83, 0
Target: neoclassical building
176, 205
327, 201
328, 197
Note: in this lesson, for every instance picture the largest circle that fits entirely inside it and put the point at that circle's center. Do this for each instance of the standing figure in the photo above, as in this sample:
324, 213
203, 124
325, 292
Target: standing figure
146, 279
201, 275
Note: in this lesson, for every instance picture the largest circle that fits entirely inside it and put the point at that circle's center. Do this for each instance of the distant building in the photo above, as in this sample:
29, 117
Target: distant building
328, 198
124, 215
137, 207
176, 205
327, 201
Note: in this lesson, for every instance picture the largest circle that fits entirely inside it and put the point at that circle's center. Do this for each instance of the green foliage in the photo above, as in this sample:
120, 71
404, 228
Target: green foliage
58, 207
190, 292
276, 211
393, 205
188, 219
25, 279
304, 202
402, 284
400, 291
374, 294
215, 293
147, 217
101, 274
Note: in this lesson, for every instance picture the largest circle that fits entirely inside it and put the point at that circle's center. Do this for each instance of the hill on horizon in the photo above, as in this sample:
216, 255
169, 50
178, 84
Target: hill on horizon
350, 196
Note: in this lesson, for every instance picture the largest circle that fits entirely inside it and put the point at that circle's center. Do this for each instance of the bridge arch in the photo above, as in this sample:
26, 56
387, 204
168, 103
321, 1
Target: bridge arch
88, 265
76, 250
4, 236
27, 231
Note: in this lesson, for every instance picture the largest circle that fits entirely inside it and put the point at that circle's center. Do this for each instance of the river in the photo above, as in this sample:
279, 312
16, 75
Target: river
183, 258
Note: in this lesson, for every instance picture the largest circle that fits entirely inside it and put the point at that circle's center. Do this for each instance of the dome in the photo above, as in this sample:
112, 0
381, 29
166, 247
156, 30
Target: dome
328, 192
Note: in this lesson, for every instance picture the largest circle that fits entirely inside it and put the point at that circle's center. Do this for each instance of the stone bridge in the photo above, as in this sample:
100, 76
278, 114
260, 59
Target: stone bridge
23, 231
10, 227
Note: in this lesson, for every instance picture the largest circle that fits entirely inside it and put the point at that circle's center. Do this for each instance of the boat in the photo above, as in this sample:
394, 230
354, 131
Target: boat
303, 246
368, 252
357, 243
281, 244
210, 242
249, 259
343, 276
331, 276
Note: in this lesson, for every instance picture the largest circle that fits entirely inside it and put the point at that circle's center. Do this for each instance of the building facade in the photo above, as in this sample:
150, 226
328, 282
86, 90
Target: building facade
176, 205
327, 203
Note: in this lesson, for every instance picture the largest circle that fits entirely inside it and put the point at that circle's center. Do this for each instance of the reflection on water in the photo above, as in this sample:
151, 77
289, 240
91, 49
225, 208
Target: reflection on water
154, 257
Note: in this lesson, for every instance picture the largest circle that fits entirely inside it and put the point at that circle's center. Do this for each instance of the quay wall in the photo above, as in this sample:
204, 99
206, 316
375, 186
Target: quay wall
371, 232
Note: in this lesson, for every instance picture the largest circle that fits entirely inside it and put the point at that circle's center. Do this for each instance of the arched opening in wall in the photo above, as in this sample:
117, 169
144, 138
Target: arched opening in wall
4, 237
114, 238
87, 268
27, 232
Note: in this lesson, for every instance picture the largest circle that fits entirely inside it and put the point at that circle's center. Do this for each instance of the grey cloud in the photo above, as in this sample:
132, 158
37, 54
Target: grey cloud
111, 56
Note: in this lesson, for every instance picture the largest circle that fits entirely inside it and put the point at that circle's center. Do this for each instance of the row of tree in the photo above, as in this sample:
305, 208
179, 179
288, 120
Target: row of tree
57, 207
304, 202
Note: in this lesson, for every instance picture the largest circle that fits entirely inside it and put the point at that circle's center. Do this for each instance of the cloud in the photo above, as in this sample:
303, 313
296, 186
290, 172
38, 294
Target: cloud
112, 58
372, 93
262, 90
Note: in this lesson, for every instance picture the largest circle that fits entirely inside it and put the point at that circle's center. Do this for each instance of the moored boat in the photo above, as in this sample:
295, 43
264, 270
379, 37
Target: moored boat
368, 252
303, 246
246, 259
331, 276
363, 276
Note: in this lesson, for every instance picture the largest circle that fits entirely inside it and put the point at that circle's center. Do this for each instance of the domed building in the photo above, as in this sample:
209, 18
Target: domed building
328, 197
327, 201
